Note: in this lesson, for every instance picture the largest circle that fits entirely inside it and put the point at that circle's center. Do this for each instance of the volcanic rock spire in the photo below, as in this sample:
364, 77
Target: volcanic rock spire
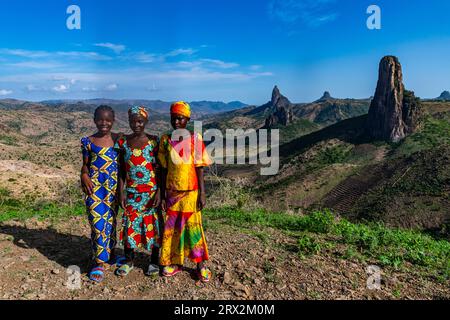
281, 109
394, 112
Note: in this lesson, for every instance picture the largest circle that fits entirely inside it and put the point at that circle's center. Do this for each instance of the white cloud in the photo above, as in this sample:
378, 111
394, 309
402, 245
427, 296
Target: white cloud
111, 87
83, 55
200, 74
187, 64
117, 48
32, 87
60, 88
211, 63
255, 67
24, 53
46, 54
220, 63
166, 69
60, 78
4, 92
180, 51
89, 89
261, 74
35, 65
145, 57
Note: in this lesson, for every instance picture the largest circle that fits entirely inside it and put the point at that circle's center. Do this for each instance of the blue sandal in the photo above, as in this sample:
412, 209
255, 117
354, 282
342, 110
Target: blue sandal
117, 261
97, 271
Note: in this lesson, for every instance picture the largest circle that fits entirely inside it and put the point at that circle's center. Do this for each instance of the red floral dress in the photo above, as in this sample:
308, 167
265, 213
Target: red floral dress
140, 226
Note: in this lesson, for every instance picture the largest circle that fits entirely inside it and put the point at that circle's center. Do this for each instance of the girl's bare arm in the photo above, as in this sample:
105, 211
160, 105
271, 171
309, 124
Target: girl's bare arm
201, 203
86, 183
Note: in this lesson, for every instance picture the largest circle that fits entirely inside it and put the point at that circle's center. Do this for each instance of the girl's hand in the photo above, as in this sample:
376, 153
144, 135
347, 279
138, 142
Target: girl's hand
122, 199
163, 205
86, 184
201, 201
157, 200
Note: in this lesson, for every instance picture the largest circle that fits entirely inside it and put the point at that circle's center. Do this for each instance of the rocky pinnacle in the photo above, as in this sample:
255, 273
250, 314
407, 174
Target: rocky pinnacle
281, 109
394, 112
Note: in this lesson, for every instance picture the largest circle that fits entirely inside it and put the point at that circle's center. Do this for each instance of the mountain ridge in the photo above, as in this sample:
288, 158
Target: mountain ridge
199, 107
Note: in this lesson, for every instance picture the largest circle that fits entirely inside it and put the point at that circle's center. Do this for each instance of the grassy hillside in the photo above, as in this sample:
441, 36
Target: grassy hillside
317, 234
298, 128
339, 204
338, 167
330, 111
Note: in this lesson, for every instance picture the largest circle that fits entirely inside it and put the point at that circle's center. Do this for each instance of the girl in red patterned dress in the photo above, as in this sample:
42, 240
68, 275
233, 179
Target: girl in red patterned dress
141, 199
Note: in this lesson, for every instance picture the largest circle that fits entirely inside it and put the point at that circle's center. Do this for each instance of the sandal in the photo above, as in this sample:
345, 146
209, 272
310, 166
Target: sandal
124, 270
204, 274
117, 261
153, 270
97, 271
170, 271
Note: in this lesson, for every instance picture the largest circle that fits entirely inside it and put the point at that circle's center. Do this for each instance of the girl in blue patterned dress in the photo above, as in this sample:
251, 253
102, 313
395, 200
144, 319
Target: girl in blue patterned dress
99, 175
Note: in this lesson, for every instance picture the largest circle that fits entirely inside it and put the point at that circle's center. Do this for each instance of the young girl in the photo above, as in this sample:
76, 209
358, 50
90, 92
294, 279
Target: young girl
99, 183
140, 227
183, 197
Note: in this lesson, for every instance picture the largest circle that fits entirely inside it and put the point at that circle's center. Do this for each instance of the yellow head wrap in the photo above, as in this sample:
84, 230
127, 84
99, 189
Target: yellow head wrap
181, 108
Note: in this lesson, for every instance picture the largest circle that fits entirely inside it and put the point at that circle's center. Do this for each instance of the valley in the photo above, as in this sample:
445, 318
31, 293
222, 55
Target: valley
342, 200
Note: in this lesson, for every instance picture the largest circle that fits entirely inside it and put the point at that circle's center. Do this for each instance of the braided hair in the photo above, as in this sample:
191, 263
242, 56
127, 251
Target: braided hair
103, 108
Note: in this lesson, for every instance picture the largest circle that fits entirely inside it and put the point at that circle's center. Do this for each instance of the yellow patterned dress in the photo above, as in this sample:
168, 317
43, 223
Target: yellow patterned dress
102, 204
183, 235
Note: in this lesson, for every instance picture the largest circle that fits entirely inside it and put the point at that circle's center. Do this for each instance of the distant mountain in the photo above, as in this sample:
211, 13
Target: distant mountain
281, 110
328, 110
13, 103
199, 108
445, 96
215, 106
326, 96
324, 111
293, 119
236, 104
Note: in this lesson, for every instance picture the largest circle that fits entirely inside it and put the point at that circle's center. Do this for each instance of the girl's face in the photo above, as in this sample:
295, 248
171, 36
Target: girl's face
178, 121
137, 123
104, 121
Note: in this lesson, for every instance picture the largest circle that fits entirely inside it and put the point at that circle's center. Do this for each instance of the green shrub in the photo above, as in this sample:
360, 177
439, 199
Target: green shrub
390, 247
335, 154
319, 221
308, 245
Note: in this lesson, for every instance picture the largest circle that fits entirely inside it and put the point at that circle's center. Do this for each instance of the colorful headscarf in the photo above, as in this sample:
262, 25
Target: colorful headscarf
181, 108
139, 110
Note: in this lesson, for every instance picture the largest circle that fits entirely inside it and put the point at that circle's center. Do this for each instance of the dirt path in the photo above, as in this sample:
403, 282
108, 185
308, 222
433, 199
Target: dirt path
34, 257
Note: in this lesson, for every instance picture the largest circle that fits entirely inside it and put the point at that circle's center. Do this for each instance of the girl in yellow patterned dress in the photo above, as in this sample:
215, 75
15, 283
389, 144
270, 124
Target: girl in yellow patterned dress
183, 197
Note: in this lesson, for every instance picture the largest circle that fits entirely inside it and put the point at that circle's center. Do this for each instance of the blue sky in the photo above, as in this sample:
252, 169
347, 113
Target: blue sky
218, 49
